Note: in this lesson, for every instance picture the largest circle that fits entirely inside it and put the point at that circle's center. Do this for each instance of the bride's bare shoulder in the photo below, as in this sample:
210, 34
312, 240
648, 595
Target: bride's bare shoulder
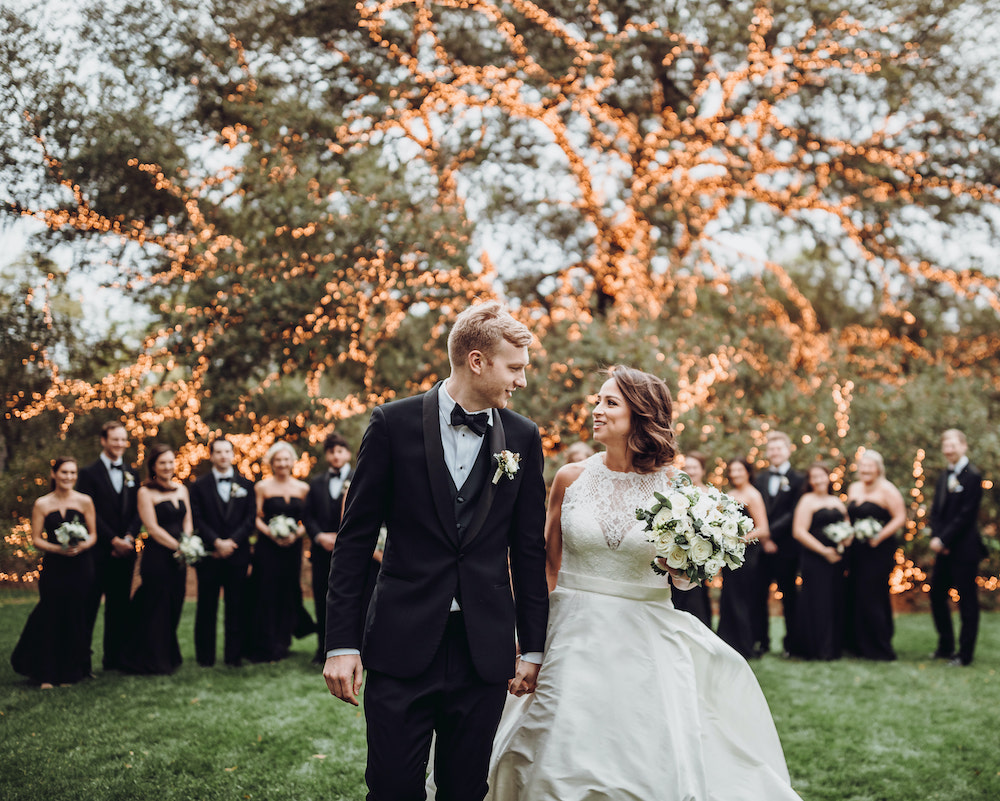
568, 473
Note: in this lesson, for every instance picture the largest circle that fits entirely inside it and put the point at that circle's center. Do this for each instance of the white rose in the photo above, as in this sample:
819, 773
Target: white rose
700, 549
714, 565
664, 517
704, 507
676, 557
683, 528
731, 559
678, 502
665, 538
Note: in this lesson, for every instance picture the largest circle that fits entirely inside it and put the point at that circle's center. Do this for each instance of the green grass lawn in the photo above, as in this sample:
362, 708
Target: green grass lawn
913, 729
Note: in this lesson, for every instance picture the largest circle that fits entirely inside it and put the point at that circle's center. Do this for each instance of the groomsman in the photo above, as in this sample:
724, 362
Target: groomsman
956, 541
324, 504
781, 487
113, 486
223, 507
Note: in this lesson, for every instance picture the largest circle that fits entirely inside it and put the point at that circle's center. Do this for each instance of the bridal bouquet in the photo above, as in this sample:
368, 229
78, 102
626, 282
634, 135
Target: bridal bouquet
698, 531
190, 549
839, 533
867, 528
283, 527
70, 533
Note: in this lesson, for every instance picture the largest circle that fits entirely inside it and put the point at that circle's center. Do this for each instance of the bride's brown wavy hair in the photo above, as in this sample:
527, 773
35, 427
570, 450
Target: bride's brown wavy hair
651, 439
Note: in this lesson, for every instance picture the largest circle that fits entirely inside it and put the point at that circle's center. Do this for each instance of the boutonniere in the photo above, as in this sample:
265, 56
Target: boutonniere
954, 485
345, 486
507, 465
783, 485
238, 491
129, 479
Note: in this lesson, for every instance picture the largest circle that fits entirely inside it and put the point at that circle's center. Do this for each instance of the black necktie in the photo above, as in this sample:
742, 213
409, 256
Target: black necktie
477, 422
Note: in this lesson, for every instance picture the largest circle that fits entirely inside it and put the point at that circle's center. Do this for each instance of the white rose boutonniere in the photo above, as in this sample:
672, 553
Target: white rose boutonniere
238, 491
783, 485
507, 465
954, 485
129, 479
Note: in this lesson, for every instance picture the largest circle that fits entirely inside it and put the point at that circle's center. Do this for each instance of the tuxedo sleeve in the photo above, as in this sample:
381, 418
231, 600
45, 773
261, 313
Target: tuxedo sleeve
371, 488
87, 484
527, 552
199, 512
967, 512
310, 517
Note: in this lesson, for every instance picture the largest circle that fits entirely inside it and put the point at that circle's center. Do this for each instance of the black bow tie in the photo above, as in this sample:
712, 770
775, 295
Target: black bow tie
337, 473
220, 479
118, 466
774, 471
477, 423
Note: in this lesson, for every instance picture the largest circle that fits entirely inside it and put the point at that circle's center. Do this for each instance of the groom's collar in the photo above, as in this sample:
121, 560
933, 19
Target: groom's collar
446, 403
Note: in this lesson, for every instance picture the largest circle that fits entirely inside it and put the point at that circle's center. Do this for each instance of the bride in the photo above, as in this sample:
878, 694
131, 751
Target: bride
635, 700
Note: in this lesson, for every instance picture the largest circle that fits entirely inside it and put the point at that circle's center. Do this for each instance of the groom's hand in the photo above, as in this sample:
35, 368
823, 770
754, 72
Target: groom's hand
343, 676
525, 678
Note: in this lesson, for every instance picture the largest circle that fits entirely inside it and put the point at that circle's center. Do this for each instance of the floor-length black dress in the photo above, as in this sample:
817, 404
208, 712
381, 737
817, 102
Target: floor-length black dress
695, 601
275, 609
740, 589
819, 609
870, 569
156, 608
54, 646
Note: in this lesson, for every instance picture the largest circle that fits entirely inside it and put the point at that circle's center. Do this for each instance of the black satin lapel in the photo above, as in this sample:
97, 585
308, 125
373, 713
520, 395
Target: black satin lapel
437, 470
498, 442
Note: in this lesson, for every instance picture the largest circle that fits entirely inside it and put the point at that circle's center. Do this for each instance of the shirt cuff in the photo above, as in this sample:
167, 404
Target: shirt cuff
533, 657
343, 652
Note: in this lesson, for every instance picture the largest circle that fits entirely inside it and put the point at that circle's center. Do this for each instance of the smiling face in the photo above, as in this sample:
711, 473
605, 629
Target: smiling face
953, 448
778, 452
612, 418
281, 464
819, 480
337, 457
868, 470
694, 469
738, 475
164, 467
64, 477
222, 455
114, 443
493, 381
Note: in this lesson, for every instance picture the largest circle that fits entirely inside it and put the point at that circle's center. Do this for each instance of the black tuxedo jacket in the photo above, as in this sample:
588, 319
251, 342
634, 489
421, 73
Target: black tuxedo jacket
322, 513
117, 515
955, 514
401, 479
215, 519
781, 508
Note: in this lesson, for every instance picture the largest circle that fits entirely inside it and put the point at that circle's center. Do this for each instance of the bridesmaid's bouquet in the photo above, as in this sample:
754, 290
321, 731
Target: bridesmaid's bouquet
190, 549
839, 533
698, 531
283, 527
70, 533
867, 528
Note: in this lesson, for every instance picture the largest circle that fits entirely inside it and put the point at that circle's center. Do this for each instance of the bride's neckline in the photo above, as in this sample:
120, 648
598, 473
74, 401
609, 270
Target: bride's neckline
598, 459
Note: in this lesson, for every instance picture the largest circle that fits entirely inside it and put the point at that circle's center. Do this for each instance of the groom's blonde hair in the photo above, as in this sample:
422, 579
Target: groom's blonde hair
483, 327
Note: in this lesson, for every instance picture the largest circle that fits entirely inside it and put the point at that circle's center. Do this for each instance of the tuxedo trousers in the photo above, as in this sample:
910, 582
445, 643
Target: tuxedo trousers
449, 699
782, 568
228, 576
113, 581
961, 574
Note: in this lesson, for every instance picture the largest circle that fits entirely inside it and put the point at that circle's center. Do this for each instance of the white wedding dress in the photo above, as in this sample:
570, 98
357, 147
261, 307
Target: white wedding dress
635, 699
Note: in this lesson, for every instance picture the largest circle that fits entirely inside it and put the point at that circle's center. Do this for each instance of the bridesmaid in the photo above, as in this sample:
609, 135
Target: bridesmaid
740, 587
696, 600
874, 496
165, 512
54, 647
276, 608
819, 609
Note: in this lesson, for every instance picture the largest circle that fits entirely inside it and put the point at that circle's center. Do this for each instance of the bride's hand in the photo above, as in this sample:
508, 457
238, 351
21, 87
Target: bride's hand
678, 578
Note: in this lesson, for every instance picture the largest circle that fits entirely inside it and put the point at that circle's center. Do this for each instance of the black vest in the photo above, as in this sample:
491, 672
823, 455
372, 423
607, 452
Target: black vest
466, 499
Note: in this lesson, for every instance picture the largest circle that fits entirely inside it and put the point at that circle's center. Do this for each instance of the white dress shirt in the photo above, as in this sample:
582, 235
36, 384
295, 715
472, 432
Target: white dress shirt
224, 488
774, 480
337, 480
117, 476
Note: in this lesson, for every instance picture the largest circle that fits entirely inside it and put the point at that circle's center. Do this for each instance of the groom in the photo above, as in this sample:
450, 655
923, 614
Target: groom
463, 564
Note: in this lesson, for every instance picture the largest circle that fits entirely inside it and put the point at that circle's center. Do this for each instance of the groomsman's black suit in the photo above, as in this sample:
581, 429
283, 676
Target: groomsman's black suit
781, 567
955, 521
117, 516
427, 666
217, 519
322, 513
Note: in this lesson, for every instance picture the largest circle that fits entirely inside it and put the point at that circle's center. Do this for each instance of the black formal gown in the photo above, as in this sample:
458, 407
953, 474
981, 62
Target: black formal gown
276, 611
871, 604
157, 604
695, 601
819, 609
736, 604
54, 647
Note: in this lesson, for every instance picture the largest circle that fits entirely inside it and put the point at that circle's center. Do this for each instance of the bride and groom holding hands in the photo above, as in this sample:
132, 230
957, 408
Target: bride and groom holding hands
614, 693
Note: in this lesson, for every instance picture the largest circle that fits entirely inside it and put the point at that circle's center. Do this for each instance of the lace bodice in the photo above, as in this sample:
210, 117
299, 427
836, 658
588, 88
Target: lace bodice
601, 536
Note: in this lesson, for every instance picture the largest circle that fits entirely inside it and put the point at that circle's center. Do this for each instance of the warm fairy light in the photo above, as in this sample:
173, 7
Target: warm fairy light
647, 191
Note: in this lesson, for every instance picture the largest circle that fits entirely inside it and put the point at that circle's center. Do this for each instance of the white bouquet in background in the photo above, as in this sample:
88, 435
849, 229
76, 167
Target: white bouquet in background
867, 528
839, 533
70, 533
283, 527
697, 531
190, 549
